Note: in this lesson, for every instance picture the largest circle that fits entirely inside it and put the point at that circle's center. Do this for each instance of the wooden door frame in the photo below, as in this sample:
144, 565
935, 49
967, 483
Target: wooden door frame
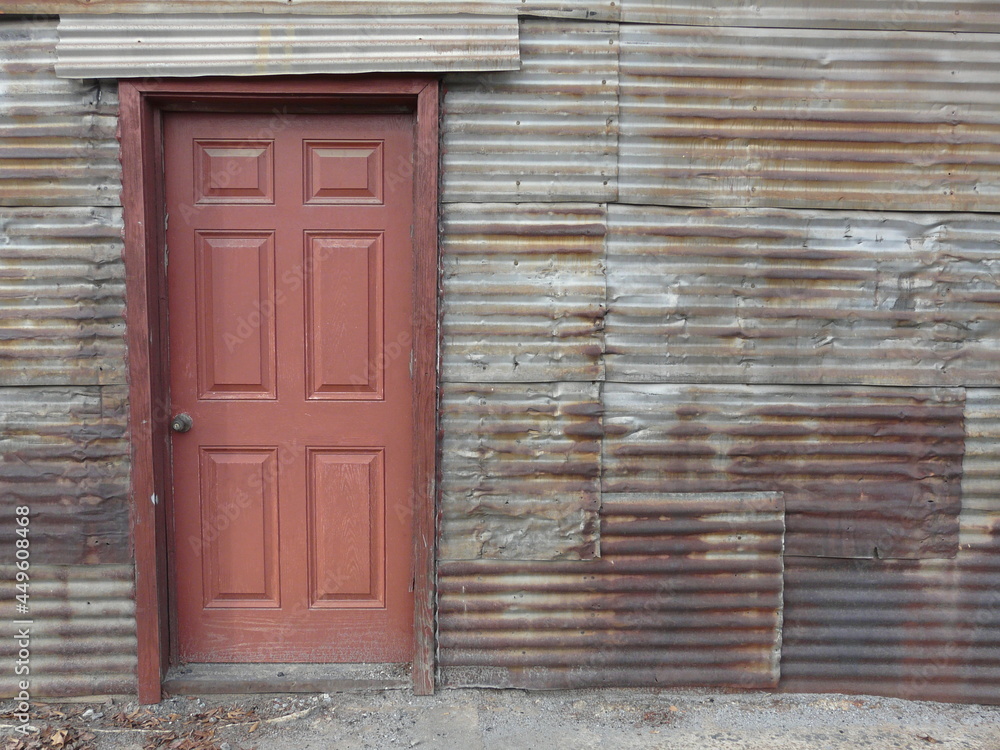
142, 103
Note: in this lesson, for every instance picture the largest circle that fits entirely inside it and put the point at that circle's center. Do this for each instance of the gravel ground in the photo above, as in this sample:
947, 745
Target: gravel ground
509, 720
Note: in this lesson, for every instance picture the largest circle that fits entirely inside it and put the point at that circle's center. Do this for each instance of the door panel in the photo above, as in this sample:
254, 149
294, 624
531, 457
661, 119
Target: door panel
235, 281
239, 503
344, 315
289, 269
346, 544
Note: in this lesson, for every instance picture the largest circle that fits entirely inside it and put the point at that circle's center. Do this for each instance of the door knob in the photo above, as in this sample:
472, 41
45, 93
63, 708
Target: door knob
181, 423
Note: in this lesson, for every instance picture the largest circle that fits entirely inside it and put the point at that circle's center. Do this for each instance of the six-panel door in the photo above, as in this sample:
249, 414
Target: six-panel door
289, 268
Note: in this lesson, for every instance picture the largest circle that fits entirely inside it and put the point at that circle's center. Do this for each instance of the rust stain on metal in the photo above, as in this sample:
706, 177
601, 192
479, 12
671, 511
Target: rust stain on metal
687, 592
64, 454
871, 120
866, 472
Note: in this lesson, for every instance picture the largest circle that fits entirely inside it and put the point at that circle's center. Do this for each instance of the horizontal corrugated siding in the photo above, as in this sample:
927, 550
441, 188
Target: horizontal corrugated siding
82, 631
64, 450
548, 132
866, 472
246, 44
687, 592
57, 138
522, 292
64, 454
914, 15
799, 118
781, 296
62, 287
917, 629
607, 10
520, 470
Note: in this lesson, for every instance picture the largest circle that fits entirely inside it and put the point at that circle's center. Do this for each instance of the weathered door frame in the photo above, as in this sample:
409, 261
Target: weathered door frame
142, 103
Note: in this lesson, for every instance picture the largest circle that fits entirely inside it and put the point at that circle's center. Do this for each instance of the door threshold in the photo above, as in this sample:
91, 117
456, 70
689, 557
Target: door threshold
206, 679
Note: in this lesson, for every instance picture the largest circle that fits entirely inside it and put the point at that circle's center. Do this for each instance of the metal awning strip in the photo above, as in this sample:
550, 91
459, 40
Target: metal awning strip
138, 46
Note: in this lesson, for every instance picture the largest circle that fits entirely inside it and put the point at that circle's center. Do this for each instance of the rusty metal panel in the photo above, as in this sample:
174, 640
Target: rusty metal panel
62, 287
57, 138
520, 471
247, 44
64, 454
548, 132
783, 296
688, 591
917, 629
866, 472
874, 120
980, 519
928, 630
912, 15
82, 632
522, 292
605, 10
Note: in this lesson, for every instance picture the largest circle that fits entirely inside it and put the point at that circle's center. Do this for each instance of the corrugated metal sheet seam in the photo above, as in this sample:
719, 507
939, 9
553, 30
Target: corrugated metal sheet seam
899, 15
688, 591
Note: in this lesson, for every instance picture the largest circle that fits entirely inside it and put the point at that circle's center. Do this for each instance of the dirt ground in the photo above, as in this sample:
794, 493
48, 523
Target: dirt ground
506, 720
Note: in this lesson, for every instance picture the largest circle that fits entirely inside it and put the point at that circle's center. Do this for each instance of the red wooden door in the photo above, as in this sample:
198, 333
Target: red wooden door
289, 275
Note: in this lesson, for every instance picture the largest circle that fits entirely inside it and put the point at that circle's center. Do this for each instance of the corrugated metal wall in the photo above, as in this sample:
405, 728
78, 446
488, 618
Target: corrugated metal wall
776, 317
719, 344
82, 632
687, 592
63, 396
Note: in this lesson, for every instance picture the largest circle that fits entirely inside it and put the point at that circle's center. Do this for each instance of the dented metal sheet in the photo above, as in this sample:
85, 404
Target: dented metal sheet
520, 471
866, 472
606, 10
82, 630
873, 120
912, 15
57, 138
688, 591
546, 132
522, 292
247, 44
782, 296
62, 288
64, 454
